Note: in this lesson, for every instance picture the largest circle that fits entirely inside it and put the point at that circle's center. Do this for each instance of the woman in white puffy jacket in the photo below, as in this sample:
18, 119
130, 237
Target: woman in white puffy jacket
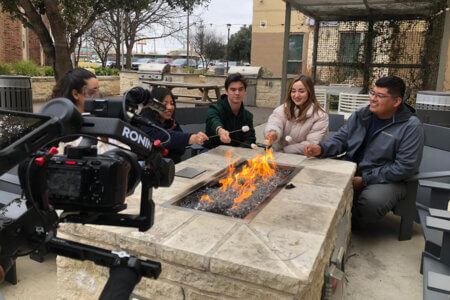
300, 117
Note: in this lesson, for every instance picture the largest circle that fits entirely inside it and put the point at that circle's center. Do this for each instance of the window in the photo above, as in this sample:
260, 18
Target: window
263, 23
295, 57
349, 47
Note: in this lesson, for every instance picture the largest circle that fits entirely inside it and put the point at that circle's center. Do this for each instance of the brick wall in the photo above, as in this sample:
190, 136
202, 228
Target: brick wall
10, 39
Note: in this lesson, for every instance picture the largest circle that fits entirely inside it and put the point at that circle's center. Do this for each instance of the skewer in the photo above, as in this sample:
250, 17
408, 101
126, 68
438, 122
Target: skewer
254, 146
244, 129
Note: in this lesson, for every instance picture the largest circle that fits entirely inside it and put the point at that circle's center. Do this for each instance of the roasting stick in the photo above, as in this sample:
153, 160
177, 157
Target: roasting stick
244, 129
254, 146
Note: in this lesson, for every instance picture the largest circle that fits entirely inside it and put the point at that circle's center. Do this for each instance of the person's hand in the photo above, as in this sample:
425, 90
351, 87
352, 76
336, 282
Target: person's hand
224, 136
198, 138
357, 183
271, 136
312, 150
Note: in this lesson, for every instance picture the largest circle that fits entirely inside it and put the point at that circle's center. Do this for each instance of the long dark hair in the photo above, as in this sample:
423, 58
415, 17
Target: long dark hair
72, 80
159, 94
289, 105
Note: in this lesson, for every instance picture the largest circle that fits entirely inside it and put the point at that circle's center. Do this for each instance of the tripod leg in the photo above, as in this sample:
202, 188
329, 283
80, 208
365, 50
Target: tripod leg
11, 276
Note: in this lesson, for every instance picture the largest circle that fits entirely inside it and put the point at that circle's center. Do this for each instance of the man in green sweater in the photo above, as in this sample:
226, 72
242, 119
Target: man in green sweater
229, 115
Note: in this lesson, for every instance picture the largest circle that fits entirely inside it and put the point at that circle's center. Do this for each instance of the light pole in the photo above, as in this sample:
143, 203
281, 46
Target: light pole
228, 44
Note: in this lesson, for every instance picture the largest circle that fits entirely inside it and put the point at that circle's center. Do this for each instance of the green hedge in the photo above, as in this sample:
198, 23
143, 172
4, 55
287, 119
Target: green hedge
5, 69
30, 68
106, 71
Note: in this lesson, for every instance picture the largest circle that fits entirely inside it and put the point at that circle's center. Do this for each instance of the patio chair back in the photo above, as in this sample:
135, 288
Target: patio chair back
321, 96
348, 103
435, 158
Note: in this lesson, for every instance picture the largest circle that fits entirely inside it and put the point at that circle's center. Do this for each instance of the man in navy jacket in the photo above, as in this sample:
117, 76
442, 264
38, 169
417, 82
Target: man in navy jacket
385, 139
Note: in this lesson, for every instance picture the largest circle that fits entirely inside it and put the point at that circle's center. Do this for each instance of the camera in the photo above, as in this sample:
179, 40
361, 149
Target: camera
87, 187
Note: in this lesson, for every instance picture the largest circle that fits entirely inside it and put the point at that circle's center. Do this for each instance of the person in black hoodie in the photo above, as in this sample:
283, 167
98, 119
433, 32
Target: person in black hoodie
178, 139
385, 139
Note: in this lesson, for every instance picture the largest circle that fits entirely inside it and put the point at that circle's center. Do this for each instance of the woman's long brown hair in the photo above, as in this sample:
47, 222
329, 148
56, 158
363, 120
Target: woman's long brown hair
289, 107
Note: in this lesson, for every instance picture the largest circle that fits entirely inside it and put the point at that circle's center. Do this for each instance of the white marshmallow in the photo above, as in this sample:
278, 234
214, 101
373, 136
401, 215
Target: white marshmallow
266, 142
288, 138
254, 146
245, 128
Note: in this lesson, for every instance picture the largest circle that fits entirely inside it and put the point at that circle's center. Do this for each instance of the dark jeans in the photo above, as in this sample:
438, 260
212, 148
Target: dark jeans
374, 201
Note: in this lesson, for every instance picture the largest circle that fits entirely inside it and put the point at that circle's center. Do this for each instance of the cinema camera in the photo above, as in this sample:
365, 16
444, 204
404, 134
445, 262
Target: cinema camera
87, 187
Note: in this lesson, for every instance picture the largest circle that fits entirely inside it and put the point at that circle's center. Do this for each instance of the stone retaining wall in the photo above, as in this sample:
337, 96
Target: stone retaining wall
42, 87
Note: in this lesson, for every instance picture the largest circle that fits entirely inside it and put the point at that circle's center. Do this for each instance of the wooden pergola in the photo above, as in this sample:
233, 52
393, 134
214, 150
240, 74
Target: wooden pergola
361, 10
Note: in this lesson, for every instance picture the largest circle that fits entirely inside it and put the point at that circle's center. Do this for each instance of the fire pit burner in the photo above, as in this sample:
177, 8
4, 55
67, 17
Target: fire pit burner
209, 198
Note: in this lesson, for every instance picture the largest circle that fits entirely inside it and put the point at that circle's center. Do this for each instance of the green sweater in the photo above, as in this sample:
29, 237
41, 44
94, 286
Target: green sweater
220, 114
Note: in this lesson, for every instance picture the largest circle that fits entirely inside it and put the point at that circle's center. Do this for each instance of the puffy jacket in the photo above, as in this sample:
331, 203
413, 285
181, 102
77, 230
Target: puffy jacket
178, 139
312, 129
220, 114
392, 154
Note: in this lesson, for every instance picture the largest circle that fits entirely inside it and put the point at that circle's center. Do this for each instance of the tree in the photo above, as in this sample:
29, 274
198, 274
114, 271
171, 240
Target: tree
60, 23
207, 45
99, 39
157, 20
241, 44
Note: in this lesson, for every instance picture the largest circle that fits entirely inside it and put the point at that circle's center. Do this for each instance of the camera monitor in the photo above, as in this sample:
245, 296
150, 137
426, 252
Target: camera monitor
14, 125
20, 134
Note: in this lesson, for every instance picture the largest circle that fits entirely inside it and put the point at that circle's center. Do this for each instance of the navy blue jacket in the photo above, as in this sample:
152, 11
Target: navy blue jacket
178, 139
392, 154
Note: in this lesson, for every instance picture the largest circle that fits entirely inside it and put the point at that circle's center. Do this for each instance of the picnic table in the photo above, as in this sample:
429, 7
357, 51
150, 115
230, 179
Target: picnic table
204, 88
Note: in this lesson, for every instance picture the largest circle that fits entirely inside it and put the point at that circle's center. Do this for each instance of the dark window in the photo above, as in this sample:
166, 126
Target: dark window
349, 47
295, 57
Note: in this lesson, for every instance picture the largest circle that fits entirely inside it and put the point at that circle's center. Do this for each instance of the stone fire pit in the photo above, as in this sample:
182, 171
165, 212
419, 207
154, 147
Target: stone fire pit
281, 253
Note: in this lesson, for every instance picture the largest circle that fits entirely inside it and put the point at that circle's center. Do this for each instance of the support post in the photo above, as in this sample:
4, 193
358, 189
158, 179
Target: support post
368, 44
287, 29
315, 45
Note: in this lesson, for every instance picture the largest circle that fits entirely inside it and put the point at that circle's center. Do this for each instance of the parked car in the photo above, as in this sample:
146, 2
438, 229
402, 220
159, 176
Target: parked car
182, 62
163, 60
141, 61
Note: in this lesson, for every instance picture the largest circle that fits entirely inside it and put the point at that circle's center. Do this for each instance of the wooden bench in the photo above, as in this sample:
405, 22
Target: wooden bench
348, 103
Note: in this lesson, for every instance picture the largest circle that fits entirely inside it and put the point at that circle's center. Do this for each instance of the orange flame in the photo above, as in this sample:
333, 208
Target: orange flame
206, 198
244, 182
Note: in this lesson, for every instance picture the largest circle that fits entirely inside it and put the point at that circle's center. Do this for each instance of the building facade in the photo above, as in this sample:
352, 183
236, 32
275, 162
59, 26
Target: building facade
268, 34
18, 42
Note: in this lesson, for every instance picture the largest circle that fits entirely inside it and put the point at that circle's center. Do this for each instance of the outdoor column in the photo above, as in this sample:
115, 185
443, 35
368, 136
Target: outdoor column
314, 54
368, 43
287, 29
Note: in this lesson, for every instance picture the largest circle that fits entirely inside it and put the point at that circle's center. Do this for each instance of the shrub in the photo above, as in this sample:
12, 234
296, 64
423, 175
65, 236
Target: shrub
106, 71
26, 68
5, 69
48, 71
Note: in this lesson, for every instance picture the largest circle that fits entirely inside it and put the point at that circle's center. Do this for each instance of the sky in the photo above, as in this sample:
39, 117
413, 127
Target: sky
215, 17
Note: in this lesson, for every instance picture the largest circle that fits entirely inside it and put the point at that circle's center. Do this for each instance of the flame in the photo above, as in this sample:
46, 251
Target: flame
206, 198
244, 182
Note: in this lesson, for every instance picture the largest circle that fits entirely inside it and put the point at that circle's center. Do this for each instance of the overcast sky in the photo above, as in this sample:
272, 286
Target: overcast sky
216, 16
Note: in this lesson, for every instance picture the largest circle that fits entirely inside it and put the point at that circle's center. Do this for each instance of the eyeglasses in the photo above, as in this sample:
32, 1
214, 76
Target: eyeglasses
378, 96
91, 92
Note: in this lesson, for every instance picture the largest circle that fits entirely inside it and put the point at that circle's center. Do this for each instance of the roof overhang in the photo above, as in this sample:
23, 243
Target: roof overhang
346, 10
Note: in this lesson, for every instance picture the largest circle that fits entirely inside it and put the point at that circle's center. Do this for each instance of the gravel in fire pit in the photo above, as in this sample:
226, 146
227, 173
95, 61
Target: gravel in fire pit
223, 202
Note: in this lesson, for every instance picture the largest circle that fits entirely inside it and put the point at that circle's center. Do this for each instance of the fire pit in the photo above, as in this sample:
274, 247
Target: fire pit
278, 251
242, 189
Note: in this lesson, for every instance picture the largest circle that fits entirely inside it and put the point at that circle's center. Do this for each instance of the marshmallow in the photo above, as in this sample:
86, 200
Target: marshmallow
288, 138
254, 146
245, 128
266, 142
